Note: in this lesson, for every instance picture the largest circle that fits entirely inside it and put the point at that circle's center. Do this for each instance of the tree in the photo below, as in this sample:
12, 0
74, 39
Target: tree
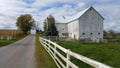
105, 34
111, 34
49, 27
25, 22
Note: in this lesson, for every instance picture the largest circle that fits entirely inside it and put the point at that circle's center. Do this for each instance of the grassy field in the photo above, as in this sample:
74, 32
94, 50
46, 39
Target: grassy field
108, 53
43, 59
6, 42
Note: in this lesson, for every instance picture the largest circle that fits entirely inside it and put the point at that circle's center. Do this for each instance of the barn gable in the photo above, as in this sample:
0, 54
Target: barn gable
75, 17
91, 24
91, 8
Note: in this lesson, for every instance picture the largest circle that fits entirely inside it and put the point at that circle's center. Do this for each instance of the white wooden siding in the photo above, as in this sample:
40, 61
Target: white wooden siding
62, 29
91, 22
73, 29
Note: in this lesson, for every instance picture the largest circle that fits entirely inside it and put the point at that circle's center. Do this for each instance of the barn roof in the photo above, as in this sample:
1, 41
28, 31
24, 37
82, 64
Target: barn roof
72, 18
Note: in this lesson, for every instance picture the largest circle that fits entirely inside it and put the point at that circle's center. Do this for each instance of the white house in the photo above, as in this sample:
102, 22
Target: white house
87, 24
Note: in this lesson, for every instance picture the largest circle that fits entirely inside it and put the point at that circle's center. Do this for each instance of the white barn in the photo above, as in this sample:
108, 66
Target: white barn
87, 24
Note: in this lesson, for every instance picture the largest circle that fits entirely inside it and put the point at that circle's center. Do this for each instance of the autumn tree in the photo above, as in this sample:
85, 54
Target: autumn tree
25, 22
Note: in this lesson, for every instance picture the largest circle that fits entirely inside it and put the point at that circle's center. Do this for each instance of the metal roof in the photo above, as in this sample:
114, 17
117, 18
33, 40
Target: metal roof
72, 18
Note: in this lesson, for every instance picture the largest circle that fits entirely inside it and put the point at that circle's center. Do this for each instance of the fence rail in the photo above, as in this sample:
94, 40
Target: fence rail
52, 47
51, 37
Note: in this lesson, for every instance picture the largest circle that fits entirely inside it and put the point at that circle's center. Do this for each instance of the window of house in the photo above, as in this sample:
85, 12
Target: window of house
83, 33
91, 33
98, 33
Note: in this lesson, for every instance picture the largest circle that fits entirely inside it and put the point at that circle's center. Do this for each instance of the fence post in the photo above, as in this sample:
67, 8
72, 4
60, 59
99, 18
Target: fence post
54, 51
56, 38
48, 44
68, 58
45, 44
39, 39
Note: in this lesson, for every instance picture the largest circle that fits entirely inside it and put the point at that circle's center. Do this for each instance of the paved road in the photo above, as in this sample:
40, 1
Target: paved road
19, 54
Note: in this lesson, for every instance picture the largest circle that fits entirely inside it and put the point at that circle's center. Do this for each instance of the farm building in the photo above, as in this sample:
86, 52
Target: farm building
87, 24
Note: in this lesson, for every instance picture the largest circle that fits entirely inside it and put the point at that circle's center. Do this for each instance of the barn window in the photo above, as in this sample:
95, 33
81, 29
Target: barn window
98, 33
65, 34
83, 33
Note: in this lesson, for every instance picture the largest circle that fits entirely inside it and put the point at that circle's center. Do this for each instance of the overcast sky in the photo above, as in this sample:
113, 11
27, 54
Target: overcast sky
40, 9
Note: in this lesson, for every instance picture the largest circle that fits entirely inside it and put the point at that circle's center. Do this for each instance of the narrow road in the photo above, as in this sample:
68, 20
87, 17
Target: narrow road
19, 54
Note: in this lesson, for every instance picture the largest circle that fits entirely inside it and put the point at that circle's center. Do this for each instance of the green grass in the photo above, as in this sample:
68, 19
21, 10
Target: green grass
6, 42
108, 53
43, 59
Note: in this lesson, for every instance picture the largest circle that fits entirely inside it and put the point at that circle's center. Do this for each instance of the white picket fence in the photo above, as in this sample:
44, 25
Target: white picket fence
52, 47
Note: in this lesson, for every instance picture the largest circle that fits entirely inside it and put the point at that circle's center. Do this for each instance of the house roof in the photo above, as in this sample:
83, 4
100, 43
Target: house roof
69, 19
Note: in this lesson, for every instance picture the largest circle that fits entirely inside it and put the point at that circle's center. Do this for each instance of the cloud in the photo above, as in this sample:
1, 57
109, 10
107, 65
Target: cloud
42, 3
112, 25
40, 9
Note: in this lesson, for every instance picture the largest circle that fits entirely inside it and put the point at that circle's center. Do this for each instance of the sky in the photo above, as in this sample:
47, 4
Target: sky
10, 10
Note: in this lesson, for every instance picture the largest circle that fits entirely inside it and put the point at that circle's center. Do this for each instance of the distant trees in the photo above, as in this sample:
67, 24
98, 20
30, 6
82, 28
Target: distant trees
118, 36
49, 27
25, 22
109, 34
104, 34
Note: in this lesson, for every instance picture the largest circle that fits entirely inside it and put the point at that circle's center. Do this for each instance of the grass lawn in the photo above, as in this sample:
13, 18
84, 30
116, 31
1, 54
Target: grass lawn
43, 59
108, 53
6, 42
